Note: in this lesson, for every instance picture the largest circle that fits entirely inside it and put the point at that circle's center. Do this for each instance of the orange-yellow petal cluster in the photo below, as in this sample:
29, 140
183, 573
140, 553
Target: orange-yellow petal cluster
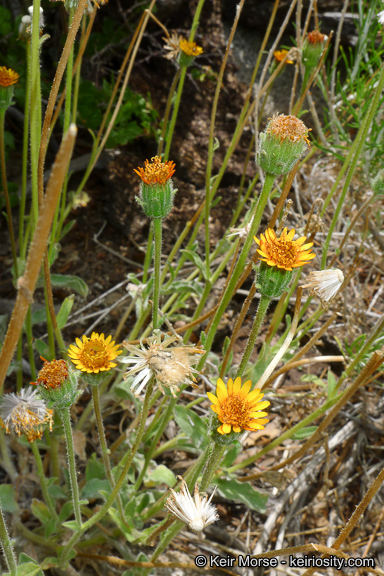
237, 408
94, 354
280, 55
284, 252
190, 48
8, 76
156, 171
289, 126
315, 37
53, 374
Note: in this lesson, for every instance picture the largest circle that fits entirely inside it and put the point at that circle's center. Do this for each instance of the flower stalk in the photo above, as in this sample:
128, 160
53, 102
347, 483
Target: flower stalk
43, 481
66, 420
257, 323
6, 546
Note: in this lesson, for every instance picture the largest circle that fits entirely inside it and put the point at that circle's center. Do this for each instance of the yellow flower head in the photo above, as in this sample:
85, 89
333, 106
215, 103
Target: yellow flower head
190, 48
94, 354
53, 374
156, 172
284, 252
8, 76
280, 55
237, 407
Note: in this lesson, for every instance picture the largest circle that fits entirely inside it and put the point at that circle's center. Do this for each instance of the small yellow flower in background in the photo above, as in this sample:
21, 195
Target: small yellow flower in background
284, 252
281, 54
196, 512
237, 407
156, 172
25, 413
8, 77
324, 284
53, 374
190, 48
94, 354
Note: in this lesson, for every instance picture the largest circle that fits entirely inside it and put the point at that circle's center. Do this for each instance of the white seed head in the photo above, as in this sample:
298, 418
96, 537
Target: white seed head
325, 284
25, 413
381, 17
196, 512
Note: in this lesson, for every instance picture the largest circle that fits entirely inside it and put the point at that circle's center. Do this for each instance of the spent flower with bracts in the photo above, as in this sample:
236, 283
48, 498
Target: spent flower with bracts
95, 354
237, 407
53, 374
172, 45
57, 384
324, 284
170, 365
281, 144
25, 413
313, 48
197, 511
241, 232
156, 190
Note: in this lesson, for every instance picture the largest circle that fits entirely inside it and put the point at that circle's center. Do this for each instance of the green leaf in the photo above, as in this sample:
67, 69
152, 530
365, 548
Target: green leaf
231, 454
8, 498
28, 569
40, 510
195, 258
304, 432
65, 311
267, 353
95, 469
92, 488
331, 384
161, 475
181, 286
42, 348
243, 491
39, 316
192, 425
72, 525
73, 282
138, 571
25, 559
131, 534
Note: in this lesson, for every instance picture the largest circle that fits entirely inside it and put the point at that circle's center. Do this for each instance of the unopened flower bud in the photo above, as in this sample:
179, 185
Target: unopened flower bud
281, 144
313, 48
156, 192
57, 384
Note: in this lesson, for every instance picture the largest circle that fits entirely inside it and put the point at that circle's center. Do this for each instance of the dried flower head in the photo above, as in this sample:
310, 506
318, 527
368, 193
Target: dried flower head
288, 127
172, 45
241, 232
281, 54
189, 48
53, 374
316, 37
284, 252
237, 407
170, 366
156, 172
324, 284
94, 354
196, 512
8, 77
25, 413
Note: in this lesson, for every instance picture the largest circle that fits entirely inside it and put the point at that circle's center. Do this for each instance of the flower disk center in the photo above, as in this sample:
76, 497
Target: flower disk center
94, 354
283, 251
236, 411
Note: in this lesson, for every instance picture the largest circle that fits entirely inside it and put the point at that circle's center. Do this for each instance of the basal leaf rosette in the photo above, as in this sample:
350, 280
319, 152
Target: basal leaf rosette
156, 191
279, 257
281, 144
237, 408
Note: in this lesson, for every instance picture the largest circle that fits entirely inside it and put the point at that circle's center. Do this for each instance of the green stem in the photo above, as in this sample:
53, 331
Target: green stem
107, 504
5, 191
6, 545
6, 458
35, 110
175, 112
28, 331
66, 419
43, 481
260, 314
104, 448
24, 170
215, 457
157, 227
259, 209
361, 139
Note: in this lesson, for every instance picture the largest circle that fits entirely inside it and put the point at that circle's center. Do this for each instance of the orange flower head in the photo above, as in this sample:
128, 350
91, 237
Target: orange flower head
288, 127
156, 171
284, 252
237, 407
190, 48
53, 374
315, 37
280, 55
8, 77
94, 354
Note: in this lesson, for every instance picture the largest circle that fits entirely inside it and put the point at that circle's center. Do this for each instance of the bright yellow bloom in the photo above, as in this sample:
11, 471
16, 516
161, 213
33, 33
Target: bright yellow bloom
157, 172
190, 48
94, 354
280, 55
53, 374
284, 252
8, 76
237, 407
